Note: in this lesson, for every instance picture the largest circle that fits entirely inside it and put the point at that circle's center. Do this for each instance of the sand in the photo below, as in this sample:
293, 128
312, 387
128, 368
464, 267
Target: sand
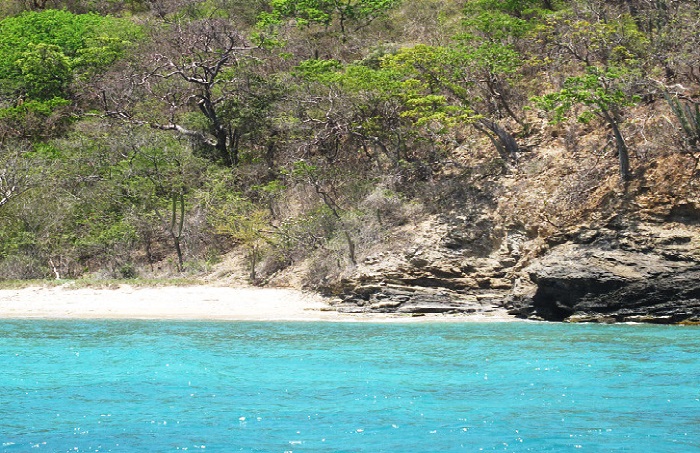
193, 303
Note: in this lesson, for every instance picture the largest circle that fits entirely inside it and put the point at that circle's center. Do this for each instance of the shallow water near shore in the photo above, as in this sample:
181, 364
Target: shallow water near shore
153, 386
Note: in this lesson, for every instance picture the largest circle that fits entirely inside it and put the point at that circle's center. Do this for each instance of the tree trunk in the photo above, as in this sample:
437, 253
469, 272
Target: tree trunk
351, 245
503, 141
38, 5
176, 225
253, 263
222, 146
270, 154
622, 154
177, 235
178, 250
333, 206
496, 90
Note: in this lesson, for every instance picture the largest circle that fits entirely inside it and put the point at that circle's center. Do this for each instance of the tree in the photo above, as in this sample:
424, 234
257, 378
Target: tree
36, 119
490, 51
80, 6
359, 116
687, 113
514, 8
74, 35
669, 27
344, 13
46, 71
42, 54
451, 74
159, 175
601, 61
604, 92
196, 79
235, 216
309, 174
583, 38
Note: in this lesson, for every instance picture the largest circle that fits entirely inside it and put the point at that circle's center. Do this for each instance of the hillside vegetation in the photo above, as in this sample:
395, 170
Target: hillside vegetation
312, 137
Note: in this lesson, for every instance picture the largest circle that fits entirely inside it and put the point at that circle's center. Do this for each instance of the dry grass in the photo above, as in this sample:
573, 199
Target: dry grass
100, 283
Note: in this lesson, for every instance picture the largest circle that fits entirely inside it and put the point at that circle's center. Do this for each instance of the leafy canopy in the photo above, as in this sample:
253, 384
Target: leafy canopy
324, 12
413, 78
40, 52
603, 91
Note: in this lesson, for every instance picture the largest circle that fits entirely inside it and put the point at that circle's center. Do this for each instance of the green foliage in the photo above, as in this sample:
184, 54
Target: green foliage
240, 219
237, 217
42, 51
325, 12
429, 89
37, 119
104, 236
586, 39
103, 50
45, 150
493, 58
499, 20
415, 77
325, 71
42, 108
603, 91
515, 8
14, 240
46, 71
304, 171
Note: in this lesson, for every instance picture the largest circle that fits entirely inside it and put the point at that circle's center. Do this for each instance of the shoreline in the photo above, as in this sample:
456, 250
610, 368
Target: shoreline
196, 303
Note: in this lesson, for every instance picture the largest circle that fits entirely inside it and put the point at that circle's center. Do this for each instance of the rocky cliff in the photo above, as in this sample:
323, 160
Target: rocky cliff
640, 273
644, 273
611, 255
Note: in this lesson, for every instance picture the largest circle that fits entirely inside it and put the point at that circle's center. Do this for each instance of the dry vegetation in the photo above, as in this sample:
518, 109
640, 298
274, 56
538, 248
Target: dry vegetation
301, 145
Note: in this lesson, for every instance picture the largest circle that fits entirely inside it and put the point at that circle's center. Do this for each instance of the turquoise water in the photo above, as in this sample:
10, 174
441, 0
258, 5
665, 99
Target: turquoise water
123, 386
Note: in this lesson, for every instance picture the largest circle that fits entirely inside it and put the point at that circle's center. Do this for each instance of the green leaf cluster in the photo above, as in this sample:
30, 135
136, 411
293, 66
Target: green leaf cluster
323, 12
603, 91
41, 52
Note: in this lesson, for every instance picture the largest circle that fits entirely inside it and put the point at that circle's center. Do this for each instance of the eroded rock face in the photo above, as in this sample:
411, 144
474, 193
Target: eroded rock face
449, 267
633, 273
650, 276
389, 298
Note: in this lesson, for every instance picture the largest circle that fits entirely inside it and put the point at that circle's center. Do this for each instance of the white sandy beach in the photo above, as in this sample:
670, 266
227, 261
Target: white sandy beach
192, 303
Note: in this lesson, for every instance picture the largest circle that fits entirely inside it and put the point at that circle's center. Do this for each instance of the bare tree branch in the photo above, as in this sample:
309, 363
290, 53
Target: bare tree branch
193, 67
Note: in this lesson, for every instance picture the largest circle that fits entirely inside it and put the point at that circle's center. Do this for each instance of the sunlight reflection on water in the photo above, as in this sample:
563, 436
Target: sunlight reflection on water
312, 387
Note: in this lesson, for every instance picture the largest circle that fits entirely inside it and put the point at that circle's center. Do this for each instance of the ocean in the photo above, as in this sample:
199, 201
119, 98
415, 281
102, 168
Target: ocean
154, 386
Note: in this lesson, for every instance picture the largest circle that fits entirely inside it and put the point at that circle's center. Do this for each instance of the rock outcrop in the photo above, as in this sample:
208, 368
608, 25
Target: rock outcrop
643, 274
635, 273
464, 271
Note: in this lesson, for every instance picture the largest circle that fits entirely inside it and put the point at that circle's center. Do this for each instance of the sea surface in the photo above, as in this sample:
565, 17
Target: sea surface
153, 386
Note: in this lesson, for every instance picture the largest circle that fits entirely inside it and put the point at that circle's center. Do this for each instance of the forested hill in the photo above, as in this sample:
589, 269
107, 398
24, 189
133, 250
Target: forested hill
340, 144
